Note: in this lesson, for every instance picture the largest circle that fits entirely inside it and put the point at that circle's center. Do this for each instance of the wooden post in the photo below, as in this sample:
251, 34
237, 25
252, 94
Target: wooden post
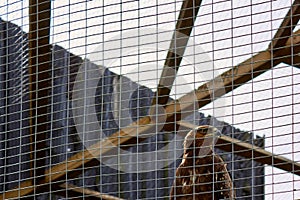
39, 84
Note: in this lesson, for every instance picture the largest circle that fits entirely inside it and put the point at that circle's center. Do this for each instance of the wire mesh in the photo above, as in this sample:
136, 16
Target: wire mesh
102, 99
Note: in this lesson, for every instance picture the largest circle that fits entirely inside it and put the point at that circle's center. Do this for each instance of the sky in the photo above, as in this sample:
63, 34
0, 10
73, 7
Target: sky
225, 34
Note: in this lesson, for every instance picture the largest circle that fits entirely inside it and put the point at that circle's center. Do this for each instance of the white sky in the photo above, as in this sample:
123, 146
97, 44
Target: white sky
267, 105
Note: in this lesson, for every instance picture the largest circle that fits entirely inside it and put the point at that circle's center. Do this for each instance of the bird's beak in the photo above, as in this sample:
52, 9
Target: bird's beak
218, 133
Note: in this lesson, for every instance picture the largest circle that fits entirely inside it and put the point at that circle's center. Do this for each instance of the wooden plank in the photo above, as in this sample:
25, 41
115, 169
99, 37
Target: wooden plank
39, 83
25, 188
72, 191
257, 154
287, 26
238, 75
293, 61
294, 58
253, 152
185, 23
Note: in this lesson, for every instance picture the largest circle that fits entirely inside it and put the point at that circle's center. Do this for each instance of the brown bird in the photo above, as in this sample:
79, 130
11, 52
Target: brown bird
202, 174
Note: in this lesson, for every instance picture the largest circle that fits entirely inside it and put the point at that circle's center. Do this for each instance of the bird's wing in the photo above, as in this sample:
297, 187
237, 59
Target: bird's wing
177, 187
223, 184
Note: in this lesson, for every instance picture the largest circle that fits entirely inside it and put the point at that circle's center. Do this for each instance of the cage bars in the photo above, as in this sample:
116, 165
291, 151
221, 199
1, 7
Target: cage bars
238, 75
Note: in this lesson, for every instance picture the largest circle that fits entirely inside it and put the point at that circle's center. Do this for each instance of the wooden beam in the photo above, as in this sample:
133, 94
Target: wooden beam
25, 188
287, 26
238, 75
293, 61
294, 58
39, 83
257, 154
185, 23
75, 192
253, 152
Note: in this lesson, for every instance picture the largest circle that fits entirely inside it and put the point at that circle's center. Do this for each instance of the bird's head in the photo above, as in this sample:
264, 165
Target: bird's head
200, 140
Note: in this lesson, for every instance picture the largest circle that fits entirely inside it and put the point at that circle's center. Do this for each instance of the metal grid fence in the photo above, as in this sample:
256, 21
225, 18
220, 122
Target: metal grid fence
97, 97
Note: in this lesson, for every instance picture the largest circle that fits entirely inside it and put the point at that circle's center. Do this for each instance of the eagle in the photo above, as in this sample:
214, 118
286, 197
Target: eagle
202, 174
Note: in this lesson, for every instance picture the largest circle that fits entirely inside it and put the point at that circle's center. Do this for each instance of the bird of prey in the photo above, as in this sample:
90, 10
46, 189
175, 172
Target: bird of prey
202, 174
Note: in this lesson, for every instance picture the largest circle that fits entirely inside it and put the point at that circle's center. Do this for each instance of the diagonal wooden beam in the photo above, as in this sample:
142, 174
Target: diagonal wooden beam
184, 26
295, 62
75, 192
294, 58
287, 26
227, 81
247, 150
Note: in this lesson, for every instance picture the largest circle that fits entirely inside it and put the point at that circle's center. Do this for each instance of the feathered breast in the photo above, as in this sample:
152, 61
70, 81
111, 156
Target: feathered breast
207, 178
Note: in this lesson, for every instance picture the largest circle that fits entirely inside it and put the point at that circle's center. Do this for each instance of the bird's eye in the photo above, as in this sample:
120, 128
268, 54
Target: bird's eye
202, 129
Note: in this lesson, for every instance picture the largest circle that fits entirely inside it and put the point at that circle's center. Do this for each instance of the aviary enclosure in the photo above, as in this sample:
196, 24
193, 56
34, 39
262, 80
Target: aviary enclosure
97, 98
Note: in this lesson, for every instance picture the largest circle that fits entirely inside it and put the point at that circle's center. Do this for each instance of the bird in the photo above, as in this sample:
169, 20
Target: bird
202, 173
